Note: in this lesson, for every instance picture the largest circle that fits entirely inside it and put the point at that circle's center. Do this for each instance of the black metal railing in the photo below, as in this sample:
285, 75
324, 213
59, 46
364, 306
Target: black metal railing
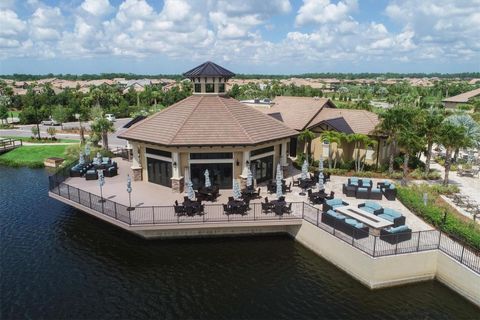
373, 245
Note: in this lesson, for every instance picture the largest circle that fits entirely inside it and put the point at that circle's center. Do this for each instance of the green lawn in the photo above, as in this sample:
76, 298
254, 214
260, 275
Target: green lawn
29, 139
31, 156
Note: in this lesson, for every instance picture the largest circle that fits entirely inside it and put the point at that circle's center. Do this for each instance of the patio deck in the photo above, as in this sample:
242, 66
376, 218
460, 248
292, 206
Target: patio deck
146, 194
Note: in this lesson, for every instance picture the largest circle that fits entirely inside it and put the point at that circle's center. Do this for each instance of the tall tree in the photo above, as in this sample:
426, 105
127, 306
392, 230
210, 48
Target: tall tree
450, 137
332, 137
360, 140
102, 127
391, 121
307, 136
432, 120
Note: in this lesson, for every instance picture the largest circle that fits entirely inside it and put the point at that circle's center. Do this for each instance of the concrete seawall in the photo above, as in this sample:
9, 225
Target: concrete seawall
388, 271
373, 272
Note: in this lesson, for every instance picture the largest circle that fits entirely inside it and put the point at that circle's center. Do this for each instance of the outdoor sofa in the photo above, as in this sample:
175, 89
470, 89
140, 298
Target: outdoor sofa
79, 169
361, 189
386, 213
389, 190
333, 203
394, 235
349, 226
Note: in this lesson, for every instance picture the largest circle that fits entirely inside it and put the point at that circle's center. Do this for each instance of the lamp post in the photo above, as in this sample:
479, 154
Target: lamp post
101, 182
129, 190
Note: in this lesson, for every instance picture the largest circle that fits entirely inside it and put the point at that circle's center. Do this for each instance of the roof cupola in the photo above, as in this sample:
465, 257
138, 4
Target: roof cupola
209, 79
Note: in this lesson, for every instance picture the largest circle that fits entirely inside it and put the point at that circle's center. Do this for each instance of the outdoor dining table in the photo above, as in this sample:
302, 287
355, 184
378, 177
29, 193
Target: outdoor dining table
305, 184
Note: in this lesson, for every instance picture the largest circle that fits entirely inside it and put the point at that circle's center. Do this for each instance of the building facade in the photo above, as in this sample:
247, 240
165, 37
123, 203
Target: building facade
208, 130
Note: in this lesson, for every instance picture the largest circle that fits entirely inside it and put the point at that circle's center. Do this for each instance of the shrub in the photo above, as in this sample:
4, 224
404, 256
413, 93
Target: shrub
420, 174
434, 212
413, 162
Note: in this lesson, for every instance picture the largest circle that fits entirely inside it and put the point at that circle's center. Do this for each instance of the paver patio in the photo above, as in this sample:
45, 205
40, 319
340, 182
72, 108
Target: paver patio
149, 194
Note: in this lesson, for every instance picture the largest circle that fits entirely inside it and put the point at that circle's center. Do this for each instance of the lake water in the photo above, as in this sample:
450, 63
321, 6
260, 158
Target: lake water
59, 263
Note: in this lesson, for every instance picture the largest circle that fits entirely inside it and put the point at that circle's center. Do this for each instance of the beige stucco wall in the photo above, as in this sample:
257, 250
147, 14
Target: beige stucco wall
458, 277
346, 151
373, 272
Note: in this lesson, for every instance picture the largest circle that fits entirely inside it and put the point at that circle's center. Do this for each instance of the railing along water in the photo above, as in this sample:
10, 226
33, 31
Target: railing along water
373, 245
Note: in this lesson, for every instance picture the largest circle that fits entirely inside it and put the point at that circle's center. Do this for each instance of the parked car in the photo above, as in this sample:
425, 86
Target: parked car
110, 117
50, 122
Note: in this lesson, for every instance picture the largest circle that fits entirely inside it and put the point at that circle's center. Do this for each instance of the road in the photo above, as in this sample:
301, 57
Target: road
26, 131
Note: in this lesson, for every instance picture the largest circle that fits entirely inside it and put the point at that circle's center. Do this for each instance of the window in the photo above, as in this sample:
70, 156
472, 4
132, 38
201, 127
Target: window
209, 88
261, 151
159, 152
221, 87
211, 155
198, 87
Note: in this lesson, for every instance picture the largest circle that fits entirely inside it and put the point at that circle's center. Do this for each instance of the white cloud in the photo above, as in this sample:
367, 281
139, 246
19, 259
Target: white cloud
323, 32
11, 24
324, 11
97, 7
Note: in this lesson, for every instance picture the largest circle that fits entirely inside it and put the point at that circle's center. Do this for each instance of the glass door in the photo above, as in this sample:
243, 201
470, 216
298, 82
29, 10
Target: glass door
159, 172
221, 174
262, 169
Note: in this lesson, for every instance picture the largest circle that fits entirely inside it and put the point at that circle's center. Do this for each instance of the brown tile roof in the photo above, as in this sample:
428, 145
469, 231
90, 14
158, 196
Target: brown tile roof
208, 120
463, 97
297, 112
354, 121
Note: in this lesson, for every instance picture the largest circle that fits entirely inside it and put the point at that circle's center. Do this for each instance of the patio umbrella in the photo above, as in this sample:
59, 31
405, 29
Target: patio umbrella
81, 158
320, 184
208, 183
249, 178
87, 150
304, 174
279, 181
237, 194
190, 192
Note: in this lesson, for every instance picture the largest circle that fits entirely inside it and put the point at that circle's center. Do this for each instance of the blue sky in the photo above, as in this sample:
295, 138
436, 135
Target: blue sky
247, 36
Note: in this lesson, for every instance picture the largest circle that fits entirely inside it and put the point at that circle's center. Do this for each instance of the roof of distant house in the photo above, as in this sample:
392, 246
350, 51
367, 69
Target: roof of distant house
208, 120
301, 113
209, 69
297, 112
463, 97
347, 120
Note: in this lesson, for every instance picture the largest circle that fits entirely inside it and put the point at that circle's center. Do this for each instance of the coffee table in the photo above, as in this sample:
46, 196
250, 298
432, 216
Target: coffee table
376, 223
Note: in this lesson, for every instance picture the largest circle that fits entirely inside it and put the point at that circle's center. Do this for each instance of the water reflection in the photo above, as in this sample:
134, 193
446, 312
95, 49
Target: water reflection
59, 263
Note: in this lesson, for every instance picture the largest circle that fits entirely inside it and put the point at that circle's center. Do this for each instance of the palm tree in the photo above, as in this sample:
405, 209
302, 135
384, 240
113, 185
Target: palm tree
360, 140
430, 127
451, 137
472, 130
391, 121
332, 137
307, 136
102, 127
411, 142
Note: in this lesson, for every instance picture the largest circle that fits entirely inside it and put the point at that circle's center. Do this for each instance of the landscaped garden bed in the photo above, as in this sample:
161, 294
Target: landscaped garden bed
439, 213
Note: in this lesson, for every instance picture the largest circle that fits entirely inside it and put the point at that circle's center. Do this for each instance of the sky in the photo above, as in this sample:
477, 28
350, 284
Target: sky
245, 36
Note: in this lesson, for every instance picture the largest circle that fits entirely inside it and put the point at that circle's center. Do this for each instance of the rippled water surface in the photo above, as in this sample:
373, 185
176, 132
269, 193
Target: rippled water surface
58, 263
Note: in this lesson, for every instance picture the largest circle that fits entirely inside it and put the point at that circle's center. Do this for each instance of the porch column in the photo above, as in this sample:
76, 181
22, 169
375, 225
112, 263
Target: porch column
136, 163
177, 179
243, 176
283, 156
283, 159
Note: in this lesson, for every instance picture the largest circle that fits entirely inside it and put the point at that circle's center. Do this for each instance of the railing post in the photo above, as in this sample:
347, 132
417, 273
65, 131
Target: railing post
153, 215
439, 238
374, 244
318, 215
396, 243
353, 236
115, 207
463, 250
78, 192
90, 196
303, 209
418, 240
334, 226
68, 191
254, 211
130, 217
